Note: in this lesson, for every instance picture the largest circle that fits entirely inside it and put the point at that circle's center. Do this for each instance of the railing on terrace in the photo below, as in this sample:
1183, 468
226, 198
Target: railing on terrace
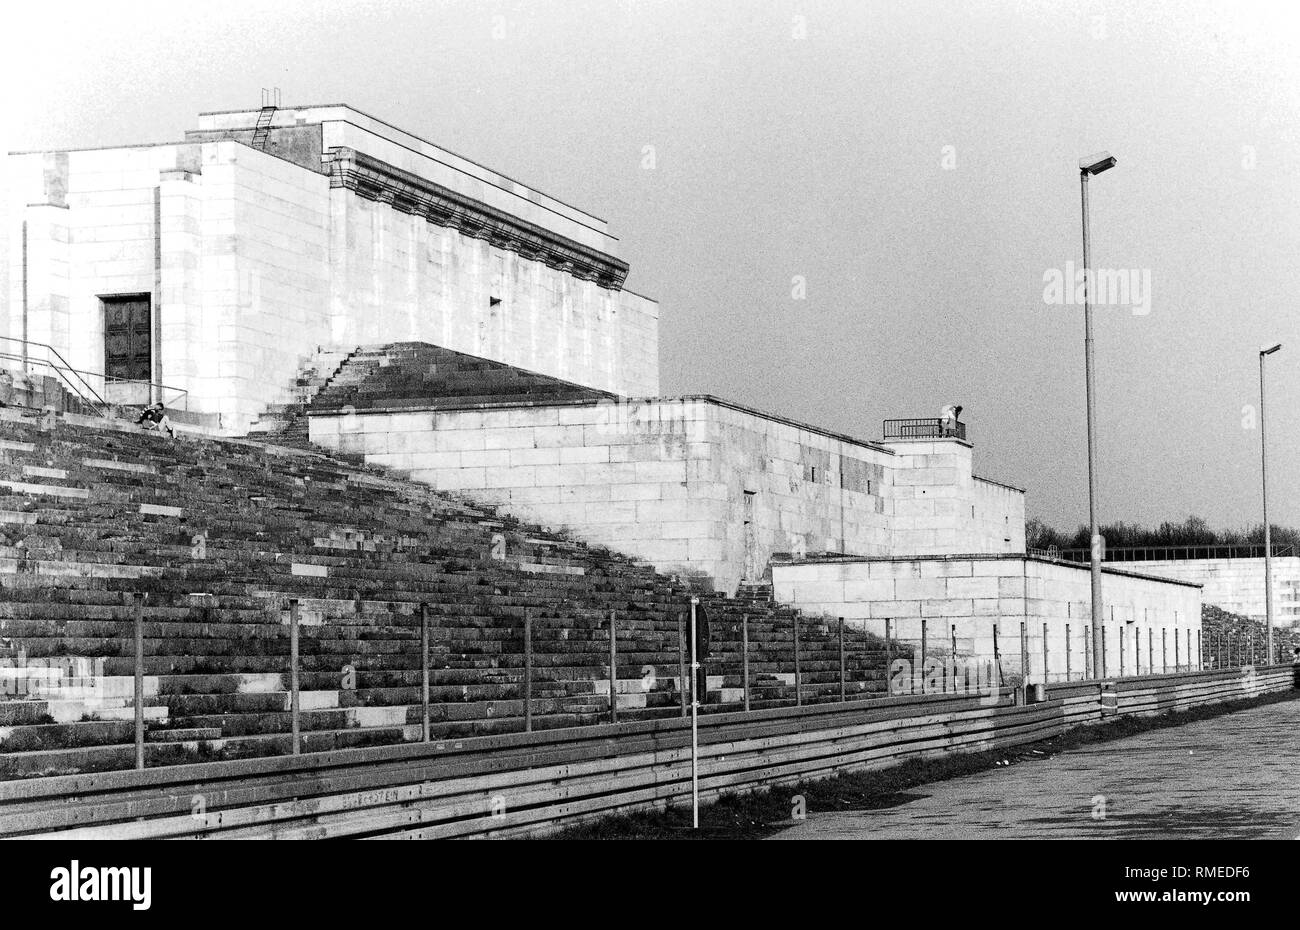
97, 391
1172, 553
924, 428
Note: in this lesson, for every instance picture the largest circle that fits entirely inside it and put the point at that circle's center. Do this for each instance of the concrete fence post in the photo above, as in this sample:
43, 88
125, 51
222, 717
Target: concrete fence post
1045, 666
798, 682
1178, 659
744, 656
844, 691
1024, 654
1105, 662
528, 671
613, 669
1121, 653
1164, 651
294, 703
1087, 652
424, 670
139, 680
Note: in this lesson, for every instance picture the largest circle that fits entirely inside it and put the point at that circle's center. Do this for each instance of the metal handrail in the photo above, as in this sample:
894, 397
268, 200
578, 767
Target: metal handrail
924, 428
96, 400
1189, 553
63, 366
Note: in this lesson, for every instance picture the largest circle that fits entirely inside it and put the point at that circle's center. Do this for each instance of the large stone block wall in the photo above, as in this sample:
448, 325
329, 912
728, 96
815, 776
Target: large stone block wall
1237, 585
400, 278
664, 480
691, 485
967, 598
941, 507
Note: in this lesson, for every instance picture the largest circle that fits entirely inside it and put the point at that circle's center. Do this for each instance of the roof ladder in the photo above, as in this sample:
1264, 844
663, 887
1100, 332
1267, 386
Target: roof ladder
262, 131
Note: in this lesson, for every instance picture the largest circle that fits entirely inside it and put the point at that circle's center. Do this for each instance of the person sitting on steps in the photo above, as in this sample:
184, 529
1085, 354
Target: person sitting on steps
156, 416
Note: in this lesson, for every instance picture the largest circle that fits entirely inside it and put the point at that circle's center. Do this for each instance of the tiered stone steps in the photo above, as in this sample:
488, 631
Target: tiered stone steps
285, 421
220, 534
407, 374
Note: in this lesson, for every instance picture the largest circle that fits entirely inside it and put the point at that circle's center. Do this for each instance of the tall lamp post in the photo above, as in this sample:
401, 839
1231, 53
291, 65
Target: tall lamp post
1088, 167
1268, 534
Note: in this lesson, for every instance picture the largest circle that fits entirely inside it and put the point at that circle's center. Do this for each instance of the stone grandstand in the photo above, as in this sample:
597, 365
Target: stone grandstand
218, 535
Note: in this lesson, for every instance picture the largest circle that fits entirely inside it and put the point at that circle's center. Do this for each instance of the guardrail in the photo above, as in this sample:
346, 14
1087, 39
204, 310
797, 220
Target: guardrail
532, 783
1172, 553
924, 428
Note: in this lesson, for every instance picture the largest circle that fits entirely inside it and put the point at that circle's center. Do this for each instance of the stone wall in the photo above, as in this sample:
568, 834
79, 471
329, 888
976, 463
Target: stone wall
968, 597
1237, 585
693, 485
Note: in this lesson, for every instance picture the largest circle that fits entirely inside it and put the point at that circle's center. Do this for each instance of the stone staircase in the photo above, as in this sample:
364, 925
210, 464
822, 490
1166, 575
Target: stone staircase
405, 374
285, 420
219, 534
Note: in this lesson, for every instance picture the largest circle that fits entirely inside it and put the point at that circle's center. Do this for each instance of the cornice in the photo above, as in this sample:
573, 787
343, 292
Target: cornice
376, 180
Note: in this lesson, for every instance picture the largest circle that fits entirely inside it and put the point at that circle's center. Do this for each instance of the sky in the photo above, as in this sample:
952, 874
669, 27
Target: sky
848, 211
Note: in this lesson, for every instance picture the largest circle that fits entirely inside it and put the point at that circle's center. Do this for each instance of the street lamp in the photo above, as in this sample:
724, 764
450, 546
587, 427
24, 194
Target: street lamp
1268, 535
1095, 164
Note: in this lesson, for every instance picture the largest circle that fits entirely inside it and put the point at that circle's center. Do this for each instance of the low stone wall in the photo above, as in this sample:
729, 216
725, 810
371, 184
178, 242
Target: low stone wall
959, 604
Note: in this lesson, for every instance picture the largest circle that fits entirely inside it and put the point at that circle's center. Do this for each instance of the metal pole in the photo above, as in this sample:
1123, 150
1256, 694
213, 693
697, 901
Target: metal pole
613, 670
955, 686
293, 675
1164, 651
1044, 653
139, 681
920, 666
744, 656
1087, 653
1200, 655
844, 694
997, 655
695, 729
889, 657
1024, 653
1104, 671
424, 672
1178, 660
1067, 652
1098, 642
1268, 534
528, 671
798, 690
1121, 652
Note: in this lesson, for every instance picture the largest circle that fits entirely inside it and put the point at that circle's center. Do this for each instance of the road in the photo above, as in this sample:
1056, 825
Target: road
1231, 777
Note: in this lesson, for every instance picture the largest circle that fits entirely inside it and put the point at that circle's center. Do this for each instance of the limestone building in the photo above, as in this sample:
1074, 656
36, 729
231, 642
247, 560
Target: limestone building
214, 266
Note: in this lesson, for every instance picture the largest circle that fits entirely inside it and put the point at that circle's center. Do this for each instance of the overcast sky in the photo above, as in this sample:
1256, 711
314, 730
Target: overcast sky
914, 163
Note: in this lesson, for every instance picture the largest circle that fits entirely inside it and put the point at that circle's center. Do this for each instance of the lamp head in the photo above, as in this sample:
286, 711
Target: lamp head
1269, 350
1096, 164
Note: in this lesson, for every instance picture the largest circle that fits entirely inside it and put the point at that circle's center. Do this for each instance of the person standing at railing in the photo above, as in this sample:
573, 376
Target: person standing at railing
156, 416
950, 420
6, 387
1295, 667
